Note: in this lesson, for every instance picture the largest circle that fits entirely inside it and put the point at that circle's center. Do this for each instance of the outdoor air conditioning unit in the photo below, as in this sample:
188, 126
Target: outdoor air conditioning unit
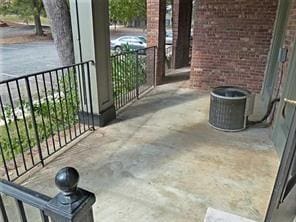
230, 107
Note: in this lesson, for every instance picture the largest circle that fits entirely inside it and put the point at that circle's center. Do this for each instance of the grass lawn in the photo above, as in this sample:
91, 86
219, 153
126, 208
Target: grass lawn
17, 19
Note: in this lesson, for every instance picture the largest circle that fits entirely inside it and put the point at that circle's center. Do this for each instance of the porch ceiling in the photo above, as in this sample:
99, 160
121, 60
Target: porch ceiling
161, 161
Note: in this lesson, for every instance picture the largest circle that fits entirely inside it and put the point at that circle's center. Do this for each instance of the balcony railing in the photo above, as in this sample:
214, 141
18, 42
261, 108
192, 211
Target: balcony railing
41, 113
133, 72
71, 204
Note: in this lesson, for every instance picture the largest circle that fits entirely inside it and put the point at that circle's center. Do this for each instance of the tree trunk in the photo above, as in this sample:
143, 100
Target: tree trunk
58, 13
38, 26
37, 20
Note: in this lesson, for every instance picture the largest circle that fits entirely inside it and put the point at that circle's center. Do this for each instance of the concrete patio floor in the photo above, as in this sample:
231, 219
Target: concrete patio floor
161, 161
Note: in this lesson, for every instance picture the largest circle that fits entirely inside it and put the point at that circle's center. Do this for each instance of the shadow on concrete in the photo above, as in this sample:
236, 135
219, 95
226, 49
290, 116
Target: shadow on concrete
177, 75
155, 101
179, 151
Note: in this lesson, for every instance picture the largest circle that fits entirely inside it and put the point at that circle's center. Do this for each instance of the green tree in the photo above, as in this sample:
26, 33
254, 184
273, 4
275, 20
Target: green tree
114, 11
25, 9
126, 10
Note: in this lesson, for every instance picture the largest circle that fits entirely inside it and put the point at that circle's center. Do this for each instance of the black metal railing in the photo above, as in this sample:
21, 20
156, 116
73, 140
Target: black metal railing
133, 72
71, 204
40, 113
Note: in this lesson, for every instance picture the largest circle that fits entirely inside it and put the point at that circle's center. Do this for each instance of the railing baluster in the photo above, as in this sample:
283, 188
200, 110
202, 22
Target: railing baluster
81, 96
77, 98
42, 115
83, 84
61, 106
154, 68
137, 76
116, 81
130, 81
55, 109
66, 101
16, 125
121, 79
135, 79
3, 213
4, 162
90, 99
85, 95
72, 100
113, 81
9, 137
25, 122
21, 210
127, 73
44, 218
34, 120
49, 112
133, 87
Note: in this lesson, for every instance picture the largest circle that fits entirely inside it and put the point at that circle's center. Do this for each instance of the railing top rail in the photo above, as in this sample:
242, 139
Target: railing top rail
70, 204
132, 51
45, 71
24, 194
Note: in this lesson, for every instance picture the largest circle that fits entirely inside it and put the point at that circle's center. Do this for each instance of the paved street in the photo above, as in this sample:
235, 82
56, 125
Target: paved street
29, 57
25, 58
14, 30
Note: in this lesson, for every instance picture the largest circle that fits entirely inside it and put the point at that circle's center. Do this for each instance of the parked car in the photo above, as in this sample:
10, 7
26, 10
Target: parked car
133, 42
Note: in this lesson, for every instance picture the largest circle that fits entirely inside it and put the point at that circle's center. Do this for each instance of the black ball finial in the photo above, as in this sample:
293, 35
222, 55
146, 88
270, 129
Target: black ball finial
67, 180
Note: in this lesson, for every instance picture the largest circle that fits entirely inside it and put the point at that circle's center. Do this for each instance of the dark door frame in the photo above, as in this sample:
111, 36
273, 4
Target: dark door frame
272, 66
280, 188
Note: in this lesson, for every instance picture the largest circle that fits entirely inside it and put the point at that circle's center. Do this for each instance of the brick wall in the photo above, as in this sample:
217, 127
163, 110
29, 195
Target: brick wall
156, 34
231, 42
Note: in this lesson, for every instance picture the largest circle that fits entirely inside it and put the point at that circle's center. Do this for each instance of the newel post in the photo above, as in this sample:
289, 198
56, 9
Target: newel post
72, 204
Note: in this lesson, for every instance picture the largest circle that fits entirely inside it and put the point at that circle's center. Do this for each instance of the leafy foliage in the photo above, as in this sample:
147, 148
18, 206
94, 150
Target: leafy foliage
25, 9
52, 115
126, 10
128, 71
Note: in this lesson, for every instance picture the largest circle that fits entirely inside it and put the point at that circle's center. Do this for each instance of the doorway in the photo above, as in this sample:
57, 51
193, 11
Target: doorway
282, 206
277, 42
285, 112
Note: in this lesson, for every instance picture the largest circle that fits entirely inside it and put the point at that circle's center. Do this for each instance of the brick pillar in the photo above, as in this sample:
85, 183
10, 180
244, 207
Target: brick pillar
156, 10
182, 14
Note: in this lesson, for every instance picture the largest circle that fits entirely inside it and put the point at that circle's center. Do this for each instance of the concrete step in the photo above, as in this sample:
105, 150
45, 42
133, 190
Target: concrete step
214, 215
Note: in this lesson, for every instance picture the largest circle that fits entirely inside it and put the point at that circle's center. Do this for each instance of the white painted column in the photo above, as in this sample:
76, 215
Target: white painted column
91, 37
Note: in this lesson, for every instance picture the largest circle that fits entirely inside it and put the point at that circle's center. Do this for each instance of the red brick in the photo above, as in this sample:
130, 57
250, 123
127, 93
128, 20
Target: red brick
231, 42
156, 10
